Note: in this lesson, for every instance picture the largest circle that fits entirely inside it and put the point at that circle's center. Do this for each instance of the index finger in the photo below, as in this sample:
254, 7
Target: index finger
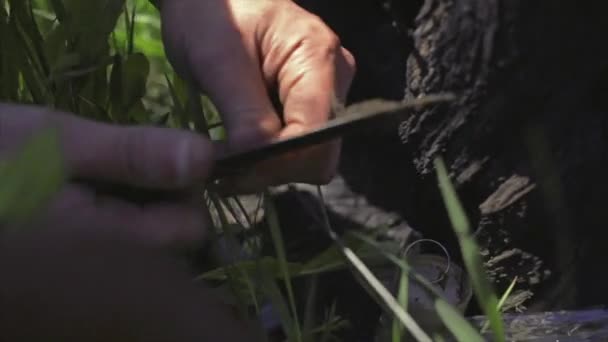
149, 157
309, 82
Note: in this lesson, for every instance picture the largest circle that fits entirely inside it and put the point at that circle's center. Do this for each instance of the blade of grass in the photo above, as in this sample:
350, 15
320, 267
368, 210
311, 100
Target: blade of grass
402, 297
230, 235
152, 48
23, 17
470, 252
9, 75
178, 107
328, 328
277, 237
59, 10
507, 293
266, 274
372, 283
131, 29
195, 109
309, 312
501, 302
272, 291
458, 325
30, 65
439, 297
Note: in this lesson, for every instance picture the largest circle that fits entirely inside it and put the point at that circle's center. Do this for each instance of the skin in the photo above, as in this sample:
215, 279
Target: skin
247, 49
70, 285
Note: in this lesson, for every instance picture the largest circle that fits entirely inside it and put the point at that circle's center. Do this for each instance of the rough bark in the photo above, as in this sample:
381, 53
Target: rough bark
525, 142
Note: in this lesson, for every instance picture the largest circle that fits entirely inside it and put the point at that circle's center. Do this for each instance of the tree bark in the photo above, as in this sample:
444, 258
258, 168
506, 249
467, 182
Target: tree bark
526, 141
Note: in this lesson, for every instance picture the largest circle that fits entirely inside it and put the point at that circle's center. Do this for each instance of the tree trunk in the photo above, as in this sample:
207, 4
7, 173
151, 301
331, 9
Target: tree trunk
526, 141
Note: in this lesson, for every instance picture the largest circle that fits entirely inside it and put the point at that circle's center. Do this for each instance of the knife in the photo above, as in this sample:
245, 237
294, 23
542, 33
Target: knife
347, 120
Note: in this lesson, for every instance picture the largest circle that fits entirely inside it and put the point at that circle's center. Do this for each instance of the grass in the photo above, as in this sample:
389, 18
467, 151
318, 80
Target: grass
125, 78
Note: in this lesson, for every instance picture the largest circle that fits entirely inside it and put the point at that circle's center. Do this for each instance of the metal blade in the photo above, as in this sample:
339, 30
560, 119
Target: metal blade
347, 119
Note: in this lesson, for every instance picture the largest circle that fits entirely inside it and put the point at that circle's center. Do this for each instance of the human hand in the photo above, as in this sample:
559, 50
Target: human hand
143, 157
239, 51
70, 285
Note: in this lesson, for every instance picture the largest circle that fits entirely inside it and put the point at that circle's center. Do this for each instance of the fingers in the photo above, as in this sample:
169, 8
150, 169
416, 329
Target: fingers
269, 45
311, 78
310, 67
228, 69
139, 156
236, 86
171, 224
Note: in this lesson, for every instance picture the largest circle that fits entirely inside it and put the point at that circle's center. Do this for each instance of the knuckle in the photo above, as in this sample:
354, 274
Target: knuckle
350, 59
332, 40
315, 27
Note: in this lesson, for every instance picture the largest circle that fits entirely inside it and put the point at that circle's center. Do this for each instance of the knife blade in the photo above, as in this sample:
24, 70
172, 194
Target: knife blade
347, 120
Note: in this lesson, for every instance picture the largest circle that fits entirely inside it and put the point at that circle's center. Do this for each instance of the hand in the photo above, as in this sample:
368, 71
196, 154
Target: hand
237, 52
69, 285
146, 157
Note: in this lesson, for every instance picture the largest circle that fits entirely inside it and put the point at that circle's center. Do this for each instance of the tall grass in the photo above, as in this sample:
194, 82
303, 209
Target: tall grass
104, 60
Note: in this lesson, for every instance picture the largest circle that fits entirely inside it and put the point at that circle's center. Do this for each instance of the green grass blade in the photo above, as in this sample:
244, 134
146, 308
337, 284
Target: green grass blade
458, 326
402, 297
272, 291
277, 237
372, 284
29, 64
415, 275
152, 48
241, 273
402, 264
507, 293
59, 10
309, 311
380, 290
470, 252
9, 73
501, 302
131, 30
195, 109
178, 112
